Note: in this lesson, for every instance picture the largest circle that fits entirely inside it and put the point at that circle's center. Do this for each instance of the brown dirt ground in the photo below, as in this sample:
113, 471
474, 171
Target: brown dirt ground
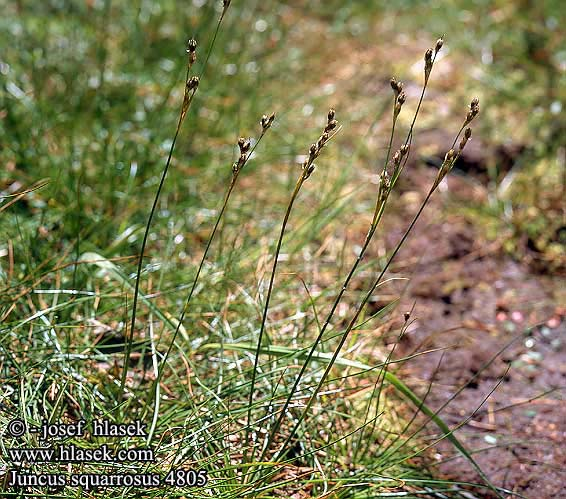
472, 302
470, 299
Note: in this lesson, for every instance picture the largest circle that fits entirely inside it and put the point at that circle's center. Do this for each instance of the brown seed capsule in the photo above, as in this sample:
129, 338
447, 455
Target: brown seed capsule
384, 185
474, 110
399, 103
439, 44
193, 82
244, 145
397, 86
450, 155
191, 45
331, 126
404, 149
393, 83
312, 149
465, 138
331, 114
322, 140
308, 170
428, 63
397, 158
267, 121
407, 315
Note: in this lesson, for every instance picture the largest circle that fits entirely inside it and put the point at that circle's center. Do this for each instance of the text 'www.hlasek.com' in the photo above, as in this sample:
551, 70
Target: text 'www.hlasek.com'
128, 466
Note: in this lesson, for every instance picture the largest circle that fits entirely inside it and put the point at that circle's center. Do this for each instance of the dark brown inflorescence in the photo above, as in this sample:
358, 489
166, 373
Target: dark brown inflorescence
314, 149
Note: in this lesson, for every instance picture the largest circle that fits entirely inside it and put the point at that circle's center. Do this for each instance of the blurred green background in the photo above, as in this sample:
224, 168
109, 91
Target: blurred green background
90, 92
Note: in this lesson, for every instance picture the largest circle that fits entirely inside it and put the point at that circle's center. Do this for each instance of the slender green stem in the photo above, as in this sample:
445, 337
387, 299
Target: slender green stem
130, 336
178, 326
298, 186
352, 323
378, 213
187, 100
377, 389
308, 168
419, 408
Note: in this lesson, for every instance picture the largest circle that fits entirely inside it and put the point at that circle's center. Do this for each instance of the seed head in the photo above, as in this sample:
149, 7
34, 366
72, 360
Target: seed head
450, 155
267, 121
397, 158
407, 315
191, 45
465, 138
331, 126
439, 44
399, 103
428, 63
384, 185
314, 149
393, 83
404, 149
322, 140
474, 110
397, 86
244, 145
308, 169
193, 82
447, 165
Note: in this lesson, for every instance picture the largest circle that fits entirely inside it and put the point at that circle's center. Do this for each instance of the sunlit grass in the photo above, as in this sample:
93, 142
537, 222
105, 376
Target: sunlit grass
262, 386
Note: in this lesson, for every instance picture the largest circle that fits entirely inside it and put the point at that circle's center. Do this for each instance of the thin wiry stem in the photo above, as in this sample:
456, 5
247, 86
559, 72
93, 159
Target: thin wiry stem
352, 324
189, 92
298, 186
378, 386
378, 213
140, 261
308, 168
181, 318
447, 165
